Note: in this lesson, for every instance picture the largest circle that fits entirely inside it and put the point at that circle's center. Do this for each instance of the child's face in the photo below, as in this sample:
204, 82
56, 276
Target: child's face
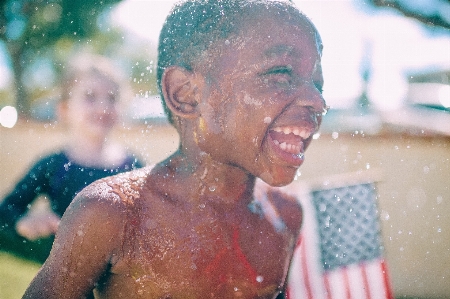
262, 103
92, 106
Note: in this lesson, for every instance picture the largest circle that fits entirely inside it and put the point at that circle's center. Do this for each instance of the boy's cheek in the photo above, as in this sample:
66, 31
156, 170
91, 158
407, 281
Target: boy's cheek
207, 121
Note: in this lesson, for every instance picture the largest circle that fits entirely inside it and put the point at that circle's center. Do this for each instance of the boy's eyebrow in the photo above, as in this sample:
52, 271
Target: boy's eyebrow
284, 69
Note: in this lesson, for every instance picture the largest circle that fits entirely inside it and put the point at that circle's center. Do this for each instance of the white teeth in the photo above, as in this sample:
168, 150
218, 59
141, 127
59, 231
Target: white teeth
297, 131
305, 134
287, 130
287, 147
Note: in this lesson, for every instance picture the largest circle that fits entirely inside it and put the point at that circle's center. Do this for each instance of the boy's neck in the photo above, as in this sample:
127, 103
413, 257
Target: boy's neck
207, 181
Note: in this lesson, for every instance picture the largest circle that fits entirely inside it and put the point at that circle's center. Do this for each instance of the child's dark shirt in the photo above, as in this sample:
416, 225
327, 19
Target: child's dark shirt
58, 178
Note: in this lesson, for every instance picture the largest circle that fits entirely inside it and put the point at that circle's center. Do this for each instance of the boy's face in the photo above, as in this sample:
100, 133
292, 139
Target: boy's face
262, 104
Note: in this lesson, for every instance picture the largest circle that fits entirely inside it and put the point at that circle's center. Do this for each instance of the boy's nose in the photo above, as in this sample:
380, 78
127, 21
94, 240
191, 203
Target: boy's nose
105, 105
309, 96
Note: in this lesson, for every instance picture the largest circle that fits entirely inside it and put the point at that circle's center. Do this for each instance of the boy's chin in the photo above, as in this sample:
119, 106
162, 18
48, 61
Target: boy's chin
277, 180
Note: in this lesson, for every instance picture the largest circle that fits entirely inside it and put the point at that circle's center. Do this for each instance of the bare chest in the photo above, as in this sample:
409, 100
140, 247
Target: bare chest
198, 255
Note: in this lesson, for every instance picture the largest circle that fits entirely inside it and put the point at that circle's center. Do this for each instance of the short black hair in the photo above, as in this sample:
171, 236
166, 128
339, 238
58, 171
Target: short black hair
194, 25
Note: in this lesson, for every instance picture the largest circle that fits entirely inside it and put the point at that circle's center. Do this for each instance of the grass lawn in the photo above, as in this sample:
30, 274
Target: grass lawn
15, 275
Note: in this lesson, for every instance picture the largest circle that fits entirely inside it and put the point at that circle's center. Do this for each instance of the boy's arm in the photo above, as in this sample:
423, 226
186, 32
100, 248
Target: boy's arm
88, 235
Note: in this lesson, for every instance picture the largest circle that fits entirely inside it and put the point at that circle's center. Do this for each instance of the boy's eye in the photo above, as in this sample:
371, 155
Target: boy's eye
279, 76
283, 82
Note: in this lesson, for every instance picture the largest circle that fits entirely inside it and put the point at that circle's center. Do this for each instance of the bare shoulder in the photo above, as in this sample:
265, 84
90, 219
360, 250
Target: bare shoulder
122, 188
105, 200
89, 238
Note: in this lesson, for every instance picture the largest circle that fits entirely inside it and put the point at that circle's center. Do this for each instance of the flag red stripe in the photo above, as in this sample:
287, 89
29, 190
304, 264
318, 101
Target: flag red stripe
305, 271
288, 292
348, 293
386, 280
326, 283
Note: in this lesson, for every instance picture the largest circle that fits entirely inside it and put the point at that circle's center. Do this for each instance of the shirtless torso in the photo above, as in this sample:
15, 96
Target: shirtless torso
165, 247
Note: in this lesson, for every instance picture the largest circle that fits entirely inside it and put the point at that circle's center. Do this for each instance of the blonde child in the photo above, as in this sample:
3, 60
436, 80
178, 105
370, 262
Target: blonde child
91, 92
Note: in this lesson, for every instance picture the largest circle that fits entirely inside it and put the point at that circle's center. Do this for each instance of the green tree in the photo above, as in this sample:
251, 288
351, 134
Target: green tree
433, 13
30, 28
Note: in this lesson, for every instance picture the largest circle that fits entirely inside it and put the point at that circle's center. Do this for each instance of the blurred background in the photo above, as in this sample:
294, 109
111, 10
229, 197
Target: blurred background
386, 65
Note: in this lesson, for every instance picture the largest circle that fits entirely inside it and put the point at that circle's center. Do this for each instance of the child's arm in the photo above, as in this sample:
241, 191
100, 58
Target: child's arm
89, 232
15, 204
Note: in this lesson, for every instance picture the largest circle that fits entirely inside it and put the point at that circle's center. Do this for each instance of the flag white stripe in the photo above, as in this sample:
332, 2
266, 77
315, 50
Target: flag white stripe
337, 284
356, 281
375, 276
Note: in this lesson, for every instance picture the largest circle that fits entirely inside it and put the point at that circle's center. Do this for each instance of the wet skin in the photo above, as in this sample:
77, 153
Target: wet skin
184, 229
273, 82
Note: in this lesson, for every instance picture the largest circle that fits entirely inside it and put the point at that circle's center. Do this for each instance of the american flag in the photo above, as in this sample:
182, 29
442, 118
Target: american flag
340, 252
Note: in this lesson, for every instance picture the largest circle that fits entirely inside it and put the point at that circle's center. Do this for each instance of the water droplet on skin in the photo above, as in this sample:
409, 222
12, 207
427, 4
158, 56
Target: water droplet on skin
201, 206
259, 278
267, 120
212, 188
335, 135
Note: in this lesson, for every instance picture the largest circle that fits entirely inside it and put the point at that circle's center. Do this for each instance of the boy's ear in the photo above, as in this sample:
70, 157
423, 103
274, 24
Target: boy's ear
180, 91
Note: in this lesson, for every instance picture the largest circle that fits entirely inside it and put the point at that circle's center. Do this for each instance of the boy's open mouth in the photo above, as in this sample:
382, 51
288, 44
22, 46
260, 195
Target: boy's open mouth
290, 138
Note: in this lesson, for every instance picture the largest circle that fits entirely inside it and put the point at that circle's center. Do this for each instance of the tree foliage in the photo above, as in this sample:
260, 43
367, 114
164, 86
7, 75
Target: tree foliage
433, 13
32, 27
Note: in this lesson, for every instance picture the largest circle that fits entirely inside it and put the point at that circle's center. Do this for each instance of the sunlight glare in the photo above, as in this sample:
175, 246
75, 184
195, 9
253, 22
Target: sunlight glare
8, 116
